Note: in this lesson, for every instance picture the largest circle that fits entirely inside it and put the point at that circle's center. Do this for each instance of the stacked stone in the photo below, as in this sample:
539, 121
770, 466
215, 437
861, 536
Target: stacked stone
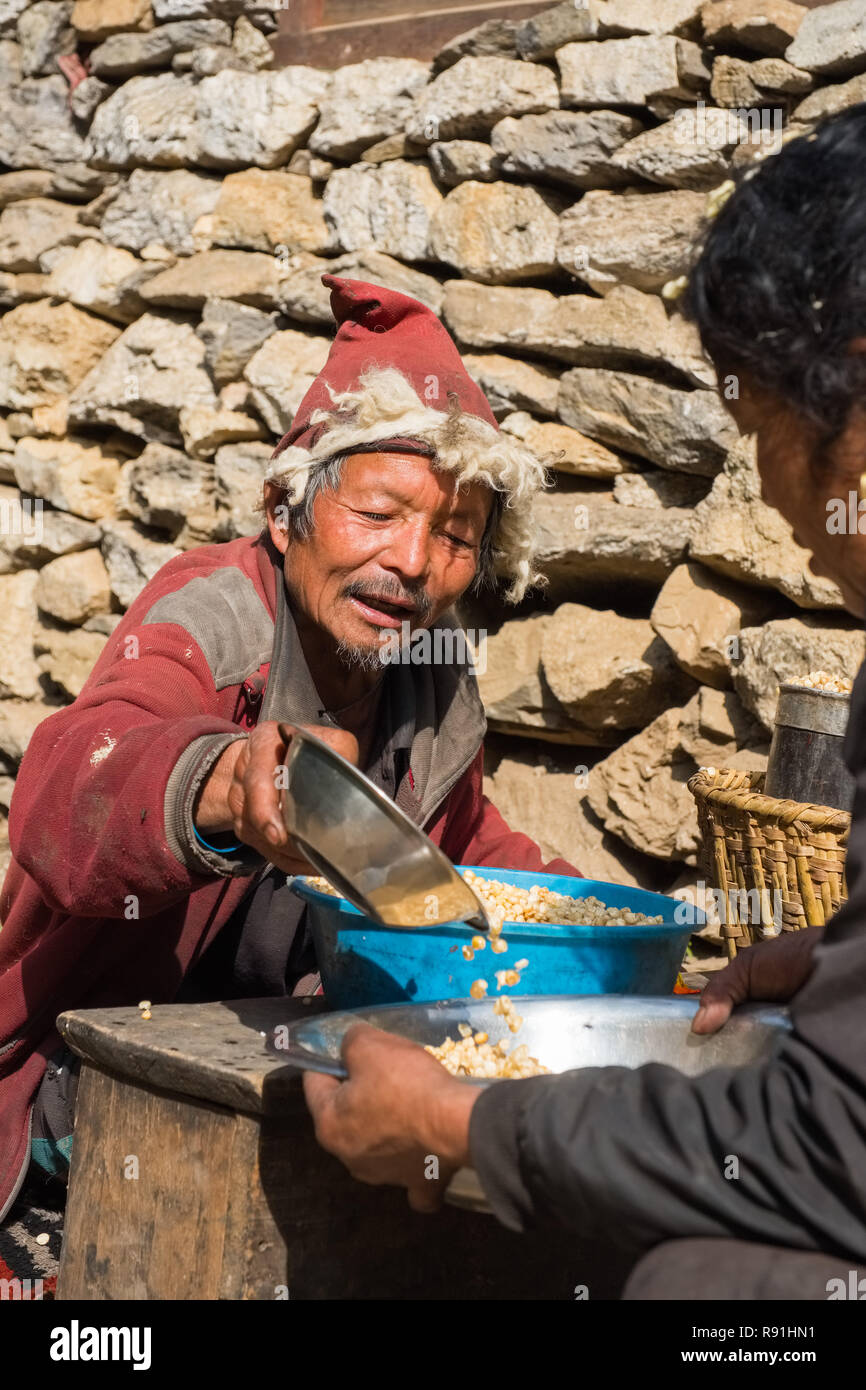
165, 223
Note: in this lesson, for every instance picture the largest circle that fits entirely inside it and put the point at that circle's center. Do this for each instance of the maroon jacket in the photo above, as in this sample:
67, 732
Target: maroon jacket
108, 900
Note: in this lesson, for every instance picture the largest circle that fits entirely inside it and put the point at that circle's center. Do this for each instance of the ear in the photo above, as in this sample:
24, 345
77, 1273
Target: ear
278, 516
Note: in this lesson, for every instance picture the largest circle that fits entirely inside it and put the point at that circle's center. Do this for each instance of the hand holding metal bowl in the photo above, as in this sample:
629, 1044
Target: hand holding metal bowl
367, 847
394, 1097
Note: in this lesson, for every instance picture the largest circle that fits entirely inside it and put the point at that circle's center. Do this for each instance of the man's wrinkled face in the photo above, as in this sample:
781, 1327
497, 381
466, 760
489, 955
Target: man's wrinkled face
396, 542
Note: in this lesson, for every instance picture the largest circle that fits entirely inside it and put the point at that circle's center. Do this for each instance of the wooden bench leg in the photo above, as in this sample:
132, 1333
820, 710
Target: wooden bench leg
172, 1197
158, 1192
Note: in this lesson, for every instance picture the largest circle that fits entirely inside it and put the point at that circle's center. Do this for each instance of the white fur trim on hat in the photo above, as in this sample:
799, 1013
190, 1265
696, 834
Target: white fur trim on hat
387, 406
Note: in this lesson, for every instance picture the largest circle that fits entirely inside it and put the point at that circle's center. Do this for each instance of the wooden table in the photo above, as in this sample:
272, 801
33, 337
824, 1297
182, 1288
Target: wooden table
196, 1175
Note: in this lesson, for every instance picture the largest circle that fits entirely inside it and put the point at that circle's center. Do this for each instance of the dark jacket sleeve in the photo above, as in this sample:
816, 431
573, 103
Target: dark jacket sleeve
774, 1152
771, 1153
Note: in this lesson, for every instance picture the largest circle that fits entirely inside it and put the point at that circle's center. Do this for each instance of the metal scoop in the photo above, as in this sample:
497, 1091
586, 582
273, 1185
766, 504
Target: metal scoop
371, 852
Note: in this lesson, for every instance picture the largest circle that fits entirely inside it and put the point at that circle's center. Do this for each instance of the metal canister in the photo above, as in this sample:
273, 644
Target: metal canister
805, 761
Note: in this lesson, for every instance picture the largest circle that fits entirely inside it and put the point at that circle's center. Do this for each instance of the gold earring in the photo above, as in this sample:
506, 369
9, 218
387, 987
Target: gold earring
862, 486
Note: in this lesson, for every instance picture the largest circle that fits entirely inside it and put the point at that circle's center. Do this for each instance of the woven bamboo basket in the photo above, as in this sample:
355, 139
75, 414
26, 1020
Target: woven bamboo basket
776, 863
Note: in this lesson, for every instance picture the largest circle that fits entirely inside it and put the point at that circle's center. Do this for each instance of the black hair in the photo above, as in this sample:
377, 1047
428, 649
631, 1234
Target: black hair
779, 287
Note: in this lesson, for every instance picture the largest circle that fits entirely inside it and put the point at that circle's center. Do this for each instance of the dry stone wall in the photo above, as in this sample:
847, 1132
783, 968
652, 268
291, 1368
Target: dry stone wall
168, 203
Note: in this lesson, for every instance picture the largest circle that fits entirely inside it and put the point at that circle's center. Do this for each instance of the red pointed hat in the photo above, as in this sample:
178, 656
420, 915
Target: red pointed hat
395, 380
377, 328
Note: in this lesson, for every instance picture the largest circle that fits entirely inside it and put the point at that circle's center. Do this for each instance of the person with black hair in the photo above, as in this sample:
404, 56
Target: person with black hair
639, 1161
779, 297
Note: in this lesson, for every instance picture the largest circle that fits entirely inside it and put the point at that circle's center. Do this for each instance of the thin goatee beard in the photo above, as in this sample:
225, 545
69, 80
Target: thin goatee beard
360, 658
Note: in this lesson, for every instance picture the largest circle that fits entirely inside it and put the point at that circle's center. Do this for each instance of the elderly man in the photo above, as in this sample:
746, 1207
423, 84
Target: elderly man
150, 854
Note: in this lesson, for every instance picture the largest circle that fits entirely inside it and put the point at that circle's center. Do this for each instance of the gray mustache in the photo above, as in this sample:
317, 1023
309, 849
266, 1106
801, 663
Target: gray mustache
387, 589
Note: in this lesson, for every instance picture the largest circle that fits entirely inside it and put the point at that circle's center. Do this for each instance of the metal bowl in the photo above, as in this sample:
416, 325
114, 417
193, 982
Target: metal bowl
563, 1031
367, 847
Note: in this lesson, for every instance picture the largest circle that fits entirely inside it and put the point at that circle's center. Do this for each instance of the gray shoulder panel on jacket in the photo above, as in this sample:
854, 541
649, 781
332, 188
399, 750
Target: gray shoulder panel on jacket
225, 615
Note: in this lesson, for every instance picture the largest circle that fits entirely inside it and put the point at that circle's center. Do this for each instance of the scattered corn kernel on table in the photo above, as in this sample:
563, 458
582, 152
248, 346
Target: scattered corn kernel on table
196, 1175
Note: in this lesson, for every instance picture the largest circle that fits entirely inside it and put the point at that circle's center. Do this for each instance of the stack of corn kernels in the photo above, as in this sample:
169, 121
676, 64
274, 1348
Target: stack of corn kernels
506, 903
475, 1056
822, 680
322, 885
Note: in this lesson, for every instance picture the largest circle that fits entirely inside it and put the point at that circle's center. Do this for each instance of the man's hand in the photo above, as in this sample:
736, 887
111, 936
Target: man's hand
398, 1112
770, 972
241, 793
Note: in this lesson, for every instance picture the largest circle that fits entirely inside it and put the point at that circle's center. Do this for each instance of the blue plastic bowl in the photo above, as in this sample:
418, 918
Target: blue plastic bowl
362, 963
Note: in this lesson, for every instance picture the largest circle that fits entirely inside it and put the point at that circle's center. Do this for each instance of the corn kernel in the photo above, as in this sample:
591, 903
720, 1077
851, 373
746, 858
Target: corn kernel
822, 680
506, 903
476, 1057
